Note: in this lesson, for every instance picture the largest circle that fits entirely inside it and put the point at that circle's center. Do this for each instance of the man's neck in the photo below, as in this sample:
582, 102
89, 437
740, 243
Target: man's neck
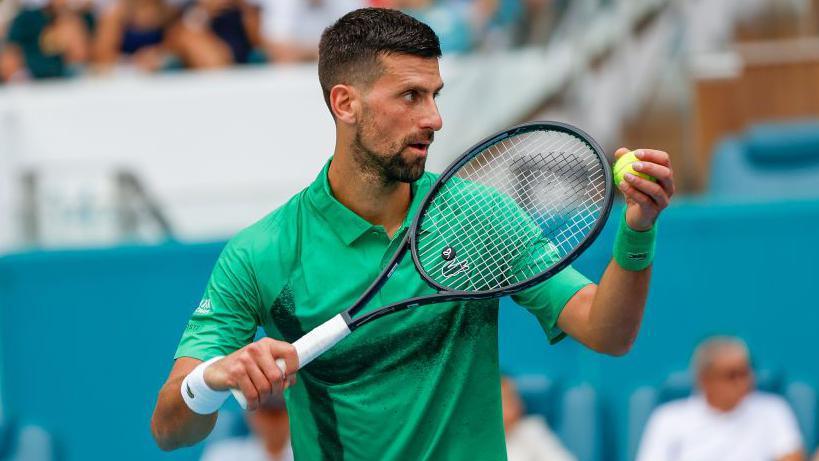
367, 195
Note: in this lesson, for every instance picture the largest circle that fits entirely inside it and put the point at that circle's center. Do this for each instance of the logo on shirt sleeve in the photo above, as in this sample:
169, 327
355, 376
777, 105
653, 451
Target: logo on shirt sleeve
204, 308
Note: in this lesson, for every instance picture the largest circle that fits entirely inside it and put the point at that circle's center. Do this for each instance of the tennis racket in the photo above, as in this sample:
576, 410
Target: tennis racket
512, 211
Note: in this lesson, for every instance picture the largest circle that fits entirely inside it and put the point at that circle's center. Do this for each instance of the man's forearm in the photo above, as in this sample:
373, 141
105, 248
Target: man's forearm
617, 308
173, 424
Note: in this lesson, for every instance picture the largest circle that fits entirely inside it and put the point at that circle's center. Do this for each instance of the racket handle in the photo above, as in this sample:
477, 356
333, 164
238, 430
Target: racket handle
310, 346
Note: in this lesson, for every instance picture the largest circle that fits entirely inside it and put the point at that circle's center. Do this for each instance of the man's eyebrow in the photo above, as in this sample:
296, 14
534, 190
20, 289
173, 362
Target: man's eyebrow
422, 89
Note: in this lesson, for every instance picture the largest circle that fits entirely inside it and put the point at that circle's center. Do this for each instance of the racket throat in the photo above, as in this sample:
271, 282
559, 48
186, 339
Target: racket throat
408, 304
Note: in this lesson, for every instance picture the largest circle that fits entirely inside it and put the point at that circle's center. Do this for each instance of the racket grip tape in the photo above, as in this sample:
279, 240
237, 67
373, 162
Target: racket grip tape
310, 346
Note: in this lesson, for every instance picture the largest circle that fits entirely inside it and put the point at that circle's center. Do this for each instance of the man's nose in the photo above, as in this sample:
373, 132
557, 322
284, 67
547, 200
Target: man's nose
432, 117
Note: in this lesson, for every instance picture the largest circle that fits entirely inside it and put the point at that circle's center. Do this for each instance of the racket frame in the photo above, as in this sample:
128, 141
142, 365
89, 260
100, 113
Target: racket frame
409, 242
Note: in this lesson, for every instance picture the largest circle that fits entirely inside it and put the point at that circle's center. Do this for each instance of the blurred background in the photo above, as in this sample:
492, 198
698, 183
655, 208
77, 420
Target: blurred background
136, 136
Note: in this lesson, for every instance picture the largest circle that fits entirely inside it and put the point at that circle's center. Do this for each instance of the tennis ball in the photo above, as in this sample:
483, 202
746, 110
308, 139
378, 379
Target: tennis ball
623, 166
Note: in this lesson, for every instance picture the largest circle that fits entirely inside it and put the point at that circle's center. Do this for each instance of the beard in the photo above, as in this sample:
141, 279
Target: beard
388, 164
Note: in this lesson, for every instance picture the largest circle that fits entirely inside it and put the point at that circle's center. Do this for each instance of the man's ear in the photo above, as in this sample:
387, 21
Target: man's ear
345, 102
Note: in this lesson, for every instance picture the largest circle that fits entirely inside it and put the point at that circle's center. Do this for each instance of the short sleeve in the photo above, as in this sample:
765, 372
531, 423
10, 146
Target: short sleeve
546, 300
227, 316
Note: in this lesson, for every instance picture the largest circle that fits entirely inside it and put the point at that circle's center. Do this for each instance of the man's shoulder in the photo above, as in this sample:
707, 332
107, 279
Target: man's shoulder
767, 403
679, 408
275, 229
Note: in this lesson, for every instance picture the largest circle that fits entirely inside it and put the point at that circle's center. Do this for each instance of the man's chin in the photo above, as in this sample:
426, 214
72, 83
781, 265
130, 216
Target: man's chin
407, 173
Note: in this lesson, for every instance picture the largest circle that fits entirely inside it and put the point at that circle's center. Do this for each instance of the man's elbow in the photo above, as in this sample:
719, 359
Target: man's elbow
615, 348
162, 435
619, 350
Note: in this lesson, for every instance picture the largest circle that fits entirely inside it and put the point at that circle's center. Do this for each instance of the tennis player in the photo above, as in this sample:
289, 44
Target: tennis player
418, 385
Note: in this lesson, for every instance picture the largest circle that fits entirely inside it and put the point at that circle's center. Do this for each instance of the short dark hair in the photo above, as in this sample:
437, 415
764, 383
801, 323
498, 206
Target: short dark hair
350, 48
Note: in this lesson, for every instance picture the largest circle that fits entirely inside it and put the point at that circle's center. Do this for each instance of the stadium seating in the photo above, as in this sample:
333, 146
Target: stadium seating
573, 413
802, 398
767, 162
581, 423
539, 395
28, 442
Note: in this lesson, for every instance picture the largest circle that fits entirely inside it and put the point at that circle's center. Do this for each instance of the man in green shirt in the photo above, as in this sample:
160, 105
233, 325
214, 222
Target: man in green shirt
422, 384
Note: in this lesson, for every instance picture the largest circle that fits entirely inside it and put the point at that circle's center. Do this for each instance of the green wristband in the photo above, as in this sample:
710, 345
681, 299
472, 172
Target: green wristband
633, 250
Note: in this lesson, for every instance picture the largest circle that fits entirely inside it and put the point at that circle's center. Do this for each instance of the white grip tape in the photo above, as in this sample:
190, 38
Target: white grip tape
321, 338
310, 346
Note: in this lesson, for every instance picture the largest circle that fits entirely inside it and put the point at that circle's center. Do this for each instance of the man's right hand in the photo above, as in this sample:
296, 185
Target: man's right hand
253, 370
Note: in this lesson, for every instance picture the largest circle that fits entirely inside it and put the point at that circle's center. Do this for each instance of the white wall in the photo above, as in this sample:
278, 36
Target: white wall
218, 149
221, 149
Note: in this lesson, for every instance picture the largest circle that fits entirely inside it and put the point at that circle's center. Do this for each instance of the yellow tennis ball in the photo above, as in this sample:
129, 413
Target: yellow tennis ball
623, 166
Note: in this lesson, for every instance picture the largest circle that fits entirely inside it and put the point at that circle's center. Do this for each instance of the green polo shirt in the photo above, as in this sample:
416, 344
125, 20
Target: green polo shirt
422, 384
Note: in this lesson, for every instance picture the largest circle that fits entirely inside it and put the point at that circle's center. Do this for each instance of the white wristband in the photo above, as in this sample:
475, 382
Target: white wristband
199, 397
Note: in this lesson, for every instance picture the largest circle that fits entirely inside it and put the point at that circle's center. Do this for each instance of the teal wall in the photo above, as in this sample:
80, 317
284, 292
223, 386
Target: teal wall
87, 339
87, 336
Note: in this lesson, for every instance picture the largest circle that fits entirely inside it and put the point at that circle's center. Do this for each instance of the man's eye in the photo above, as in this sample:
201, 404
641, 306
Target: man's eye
410, 96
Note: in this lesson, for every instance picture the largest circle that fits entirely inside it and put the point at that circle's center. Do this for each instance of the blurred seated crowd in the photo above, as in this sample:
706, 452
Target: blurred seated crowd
63, 38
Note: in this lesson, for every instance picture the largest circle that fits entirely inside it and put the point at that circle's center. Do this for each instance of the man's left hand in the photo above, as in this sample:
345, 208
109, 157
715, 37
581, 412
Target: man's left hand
646, 199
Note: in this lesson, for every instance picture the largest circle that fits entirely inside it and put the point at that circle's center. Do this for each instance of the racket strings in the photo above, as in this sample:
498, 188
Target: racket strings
495, 266
512, 211
475, 203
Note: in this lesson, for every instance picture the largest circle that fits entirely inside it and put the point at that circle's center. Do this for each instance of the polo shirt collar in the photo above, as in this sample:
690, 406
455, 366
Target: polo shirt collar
344, 222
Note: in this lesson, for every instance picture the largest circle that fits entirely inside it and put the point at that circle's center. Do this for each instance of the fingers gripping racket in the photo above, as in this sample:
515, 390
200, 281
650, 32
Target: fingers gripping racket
511, 212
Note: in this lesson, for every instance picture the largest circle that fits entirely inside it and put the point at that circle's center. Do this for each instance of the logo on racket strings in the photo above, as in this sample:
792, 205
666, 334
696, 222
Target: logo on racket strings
454, 268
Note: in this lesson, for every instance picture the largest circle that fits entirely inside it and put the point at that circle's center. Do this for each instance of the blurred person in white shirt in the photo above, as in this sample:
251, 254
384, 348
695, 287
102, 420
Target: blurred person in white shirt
727, 420
528, 438
269, 439
292, 28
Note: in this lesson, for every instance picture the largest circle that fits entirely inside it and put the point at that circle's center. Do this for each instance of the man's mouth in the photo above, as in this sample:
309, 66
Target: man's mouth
422, 147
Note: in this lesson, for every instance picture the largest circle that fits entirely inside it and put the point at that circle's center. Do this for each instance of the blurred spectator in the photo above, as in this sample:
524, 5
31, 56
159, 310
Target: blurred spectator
133, 32
728, 420
8, 8
46, 40
535, 20
269, 441
217, 33
452, 21
528, 438
292, 28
